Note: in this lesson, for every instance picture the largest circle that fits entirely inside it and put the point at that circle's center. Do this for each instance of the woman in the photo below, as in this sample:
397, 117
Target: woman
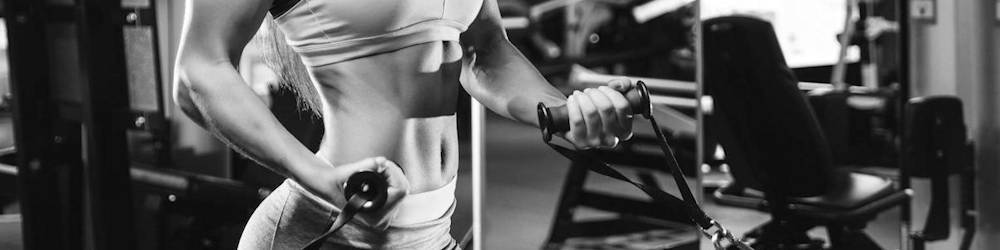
386, 74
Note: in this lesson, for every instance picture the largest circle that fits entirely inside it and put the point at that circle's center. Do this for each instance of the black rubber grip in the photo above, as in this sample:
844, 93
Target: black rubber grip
556, 119
370, 186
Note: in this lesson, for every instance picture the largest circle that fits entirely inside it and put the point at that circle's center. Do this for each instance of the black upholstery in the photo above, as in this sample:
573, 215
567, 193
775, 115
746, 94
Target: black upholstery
852, 192
935, 125
856, 191
761, 118
936, 148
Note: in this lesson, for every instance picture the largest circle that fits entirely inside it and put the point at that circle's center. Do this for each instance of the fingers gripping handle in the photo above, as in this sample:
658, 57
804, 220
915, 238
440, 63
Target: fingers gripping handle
369, 186
556, 119
366, 191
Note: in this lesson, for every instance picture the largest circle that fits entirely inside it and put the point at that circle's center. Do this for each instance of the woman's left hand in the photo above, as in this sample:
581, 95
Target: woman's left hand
600, 117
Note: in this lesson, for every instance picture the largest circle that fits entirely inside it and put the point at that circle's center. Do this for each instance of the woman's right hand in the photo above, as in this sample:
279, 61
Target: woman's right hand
600, 117
329, 184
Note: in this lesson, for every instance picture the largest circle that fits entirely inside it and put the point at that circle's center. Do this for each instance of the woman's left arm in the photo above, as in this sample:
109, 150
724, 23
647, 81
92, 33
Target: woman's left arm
500, 78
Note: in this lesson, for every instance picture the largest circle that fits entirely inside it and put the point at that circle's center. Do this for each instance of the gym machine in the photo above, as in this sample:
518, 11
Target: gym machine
569, 42
925, 136
70, 105
92, 156
638, 37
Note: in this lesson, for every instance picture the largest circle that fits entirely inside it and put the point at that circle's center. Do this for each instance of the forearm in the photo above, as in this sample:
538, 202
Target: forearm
217, 99
509, 84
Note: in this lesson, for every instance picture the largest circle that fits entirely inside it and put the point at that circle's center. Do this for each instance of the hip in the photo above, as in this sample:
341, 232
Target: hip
291, 217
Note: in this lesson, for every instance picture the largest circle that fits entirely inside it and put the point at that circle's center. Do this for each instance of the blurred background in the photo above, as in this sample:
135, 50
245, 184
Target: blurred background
840, 124
824, 124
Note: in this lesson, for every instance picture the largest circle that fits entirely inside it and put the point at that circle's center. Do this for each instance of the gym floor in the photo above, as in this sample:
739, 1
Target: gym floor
524, 179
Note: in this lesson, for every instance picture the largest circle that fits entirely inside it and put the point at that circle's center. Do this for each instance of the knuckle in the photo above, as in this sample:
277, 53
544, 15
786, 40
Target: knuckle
622, 104
594, 141
593, 115
608, 109
583, 103
607, 91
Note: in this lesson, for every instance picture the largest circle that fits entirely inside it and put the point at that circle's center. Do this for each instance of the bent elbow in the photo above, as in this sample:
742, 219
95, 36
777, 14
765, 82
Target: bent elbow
181, 89
184, 84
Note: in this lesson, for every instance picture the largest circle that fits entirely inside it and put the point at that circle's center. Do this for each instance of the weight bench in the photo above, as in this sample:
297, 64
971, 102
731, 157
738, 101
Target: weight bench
779, 157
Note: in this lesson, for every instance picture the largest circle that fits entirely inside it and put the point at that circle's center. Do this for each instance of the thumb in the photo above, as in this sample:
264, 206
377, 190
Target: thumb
621, 84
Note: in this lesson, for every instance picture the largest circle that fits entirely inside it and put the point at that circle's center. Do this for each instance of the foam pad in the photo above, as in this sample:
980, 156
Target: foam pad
771, 137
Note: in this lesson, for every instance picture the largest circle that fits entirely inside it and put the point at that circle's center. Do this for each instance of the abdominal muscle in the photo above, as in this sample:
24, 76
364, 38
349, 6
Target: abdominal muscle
400, 105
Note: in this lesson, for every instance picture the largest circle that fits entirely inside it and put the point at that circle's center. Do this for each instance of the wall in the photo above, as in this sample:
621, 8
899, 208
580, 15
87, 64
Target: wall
957, 55
933, 49
988, 133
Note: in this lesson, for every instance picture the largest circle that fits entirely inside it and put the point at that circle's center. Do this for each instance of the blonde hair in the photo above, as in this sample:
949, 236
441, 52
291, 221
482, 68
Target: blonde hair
287, 66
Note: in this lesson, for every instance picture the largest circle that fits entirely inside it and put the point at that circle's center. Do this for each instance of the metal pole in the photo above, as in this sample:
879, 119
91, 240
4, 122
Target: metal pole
478, 172
701, 105
105, 116
902, 12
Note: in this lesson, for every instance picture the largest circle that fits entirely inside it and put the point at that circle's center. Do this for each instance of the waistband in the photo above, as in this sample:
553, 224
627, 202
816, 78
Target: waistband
426, 206
413, 209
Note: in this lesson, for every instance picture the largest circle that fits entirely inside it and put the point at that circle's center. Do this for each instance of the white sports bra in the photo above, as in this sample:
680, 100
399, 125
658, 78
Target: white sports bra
330, 31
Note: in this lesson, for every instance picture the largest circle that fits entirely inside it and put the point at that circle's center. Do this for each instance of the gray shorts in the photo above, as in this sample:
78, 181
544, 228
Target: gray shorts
291, 217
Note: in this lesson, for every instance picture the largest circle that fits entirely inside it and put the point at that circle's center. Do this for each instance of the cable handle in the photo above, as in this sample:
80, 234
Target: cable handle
370, 186
366, 191
556, 119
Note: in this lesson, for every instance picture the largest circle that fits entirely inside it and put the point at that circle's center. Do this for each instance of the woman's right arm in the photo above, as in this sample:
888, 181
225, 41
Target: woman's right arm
209, 89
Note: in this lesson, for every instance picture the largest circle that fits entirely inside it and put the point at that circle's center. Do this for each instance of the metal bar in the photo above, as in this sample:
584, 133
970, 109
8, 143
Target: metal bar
478, 116
810, 86
581, 77
656, 8
187, 185
163, 134
903, 17
107, 186
840, 68
676, 102
705, 107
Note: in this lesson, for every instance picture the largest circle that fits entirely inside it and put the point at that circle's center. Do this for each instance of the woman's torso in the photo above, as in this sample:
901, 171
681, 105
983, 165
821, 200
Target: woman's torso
384, 106
388, 74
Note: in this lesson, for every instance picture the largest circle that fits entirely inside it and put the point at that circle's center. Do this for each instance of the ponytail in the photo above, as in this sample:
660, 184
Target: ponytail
286, 64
